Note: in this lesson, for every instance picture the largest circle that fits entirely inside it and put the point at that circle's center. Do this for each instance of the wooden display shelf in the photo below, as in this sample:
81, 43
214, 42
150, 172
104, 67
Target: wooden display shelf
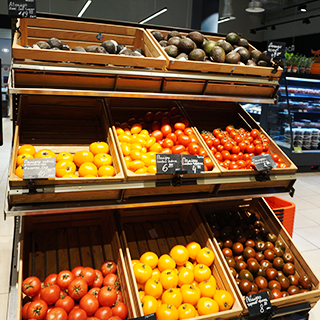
208, 66
50, 245
272, 223
76, 33
173, 225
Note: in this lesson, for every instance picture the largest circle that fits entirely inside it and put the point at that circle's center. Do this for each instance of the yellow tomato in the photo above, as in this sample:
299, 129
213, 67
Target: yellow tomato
168, 279
136, 128
64, 167
185, 276
179, 254
21, 157
70, 175
151, 154
88, 168
123, 137
167, 312
149, 161
102, 159
135, 154
153, 288
106, 171
208, 288
142, 170
190, 294
141, 294
156, 147
152, 169
201, 272
224, 299
205, 256
136, 164
64, 156
166, 262
193, 248
142, 272
119, 131
149, 305
150, 142
136, 146
82, 156
172, 296
140, 286
144, 132
125, 148
19, 172
155, 274
27, 148
207, 306
99, 147
186, 311
138, 140
144, 150
149, 258
134, 261
45, 153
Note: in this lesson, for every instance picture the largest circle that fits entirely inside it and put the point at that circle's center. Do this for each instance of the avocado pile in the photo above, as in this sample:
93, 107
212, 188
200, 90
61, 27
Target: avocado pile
195, 46
107, 47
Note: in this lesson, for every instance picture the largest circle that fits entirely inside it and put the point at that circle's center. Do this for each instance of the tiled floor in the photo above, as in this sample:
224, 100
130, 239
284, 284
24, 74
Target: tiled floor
306, 228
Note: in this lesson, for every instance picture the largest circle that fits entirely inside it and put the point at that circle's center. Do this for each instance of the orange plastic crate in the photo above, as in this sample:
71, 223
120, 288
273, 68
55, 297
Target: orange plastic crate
284, 210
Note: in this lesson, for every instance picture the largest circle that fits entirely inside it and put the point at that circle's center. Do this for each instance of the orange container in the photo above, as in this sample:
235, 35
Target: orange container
284, 210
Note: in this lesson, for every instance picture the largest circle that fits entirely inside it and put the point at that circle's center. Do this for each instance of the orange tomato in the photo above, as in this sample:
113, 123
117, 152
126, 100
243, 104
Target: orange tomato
102, 159
141, 295
135, 154
173, 296
88, 168
136, 146
149, 258
134, 261
149, 305
99, 147
136, 164
119, 131
179, 126
157, 134
205, 256
156, 147
70, 175
187, 265
201, 272
190, 294
82, 156
167, 312
208, 287
123, 137
150, 141
21, 157
152, 169
155, 274
153, 288
193, 248
19, 171
185, 276
166, 262
136, 128
168, 279
64, 167
224, 299
106, 171
64, 156
45, 153
207, 306
140, 286
179, 254
186, 311
125, 148
139, 140
142, 272
27, 148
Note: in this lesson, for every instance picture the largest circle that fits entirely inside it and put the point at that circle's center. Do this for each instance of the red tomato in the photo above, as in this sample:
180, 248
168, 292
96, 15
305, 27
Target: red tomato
166, 151
240, 155
237, 139
112, 280
216, 132
94, 292
235, 149
172, 137
282, 165
250, 148
158, 116
57, 314
256, 142
179, 126
107, 296
119, 295
93, 318
166, 129
148, 117
184, 140
210, 142
224, 140
227, 146
220, 147
77, 288
242, 164
205, 136
216, 142
98, 280
246, 156
76, 270
203, 152
178, 149
275, 157
89, 304
254, 133
50, 294
229, 129
88, 274
31, 286
234, 157
178, 132
62, 293
64, 278
226, 155
188, 131
67, 303
208, 163
233, 167
226, 163
24, 310
193, 138
38, 296
50, 279
258, 149
168, 143
213, 150
120, 310
157, 134
242, 146
233, 134
115, 318
103, 313
193, 148
37, 310
218, 156
156, 125
77, 314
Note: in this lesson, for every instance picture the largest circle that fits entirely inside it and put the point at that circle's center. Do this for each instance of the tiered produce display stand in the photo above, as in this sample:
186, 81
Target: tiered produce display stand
65, 100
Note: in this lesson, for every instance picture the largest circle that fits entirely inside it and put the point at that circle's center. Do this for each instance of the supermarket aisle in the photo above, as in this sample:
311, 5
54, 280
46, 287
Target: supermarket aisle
306, 230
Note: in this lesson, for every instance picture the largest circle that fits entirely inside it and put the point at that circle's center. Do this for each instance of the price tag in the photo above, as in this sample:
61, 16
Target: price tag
258, 303
168, 163
276, 50
151, 316
39, 168
297, 149
263, 162
193, 163
22, 9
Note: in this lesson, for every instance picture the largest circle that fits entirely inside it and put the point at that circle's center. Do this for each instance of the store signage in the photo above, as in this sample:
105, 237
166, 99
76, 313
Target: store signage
168, 163
22, 9
39, 168
276, 50
258, 303
151, 316
263, 162
297, 149
193, 163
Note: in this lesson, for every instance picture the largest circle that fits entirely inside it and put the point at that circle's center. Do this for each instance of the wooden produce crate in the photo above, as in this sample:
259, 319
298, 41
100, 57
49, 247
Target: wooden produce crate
207, 116
172, 225
272, 223
80, 33
208, 66
51, 244
60, 124
120, 110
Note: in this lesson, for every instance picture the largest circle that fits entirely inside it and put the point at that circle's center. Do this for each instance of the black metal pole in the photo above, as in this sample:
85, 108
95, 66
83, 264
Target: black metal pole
1, 129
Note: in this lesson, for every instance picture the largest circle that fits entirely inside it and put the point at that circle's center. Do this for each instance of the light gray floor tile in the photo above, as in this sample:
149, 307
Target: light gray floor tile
301, 221
302, 204
310, 234
312, 199
303, 244
5, 262
311, 214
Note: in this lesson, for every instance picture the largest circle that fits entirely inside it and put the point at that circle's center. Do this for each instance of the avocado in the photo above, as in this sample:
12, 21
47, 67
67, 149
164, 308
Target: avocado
158, 35
251, 63
244, 54
182, 56
197, 55
226, 46
233, 57
54, 42
262, 63
263, 56
196, 37
255, 54
172, 50
174, 40
100, 49
217, 54
110, 46
91, 48
243, 43
208, 46
186, 45
173, 34
43, 45
120, 47
163, 43
65, 47
78, 48
232, 38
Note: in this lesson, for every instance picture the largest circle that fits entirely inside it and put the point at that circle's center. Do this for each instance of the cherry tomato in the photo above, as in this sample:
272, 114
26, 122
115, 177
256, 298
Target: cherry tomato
237, 139
76, 270
50, 279
235, 149
120, 310
178, 132
37, 310
166, 151
31, 286
88, 274
224, 140
77, 314
275, 157
98, 280
166, 129
64, 278
188, 131
227, 146
208, 163
156, 125
177, 149
103, 313
229, 129
148, 117
172, 137
193, 138
220, 147
168, 143
185, 121
205, 136
203, 152
107, 296
210, 142
233, 134
218, 156
67, 303
242, 146
213, 150
119, 295
112, 280
216, 132
158, 116
157, 134
250, 148
89, 304
226, 155
179, 126
57, 314
193, 148
258, 149
77, 288
234, 157
254, 133
50, 294
233, 167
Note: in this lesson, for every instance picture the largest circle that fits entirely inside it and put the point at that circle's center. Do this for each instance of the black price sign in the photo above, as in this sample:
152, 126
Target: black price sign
276, 50
39, 168
258, 303
151, 316
193, 163
263, 162
22, 9
168, 163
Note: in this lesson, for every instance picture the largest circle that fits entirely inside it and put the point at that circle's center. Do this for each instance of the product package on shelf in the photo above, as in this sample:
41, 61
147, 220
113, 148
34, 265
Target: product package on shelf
80, 42
165, 230
72, 129
259, 253
52, 244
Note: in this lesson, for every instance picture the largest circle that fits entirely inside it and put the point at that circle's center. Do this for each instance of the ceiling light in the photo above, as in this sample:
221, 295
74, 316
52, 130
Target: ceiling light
306, 21
273, 28
85, 7
163, 10
302, 8
6, 50
255, 6
227, 11
226, 19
